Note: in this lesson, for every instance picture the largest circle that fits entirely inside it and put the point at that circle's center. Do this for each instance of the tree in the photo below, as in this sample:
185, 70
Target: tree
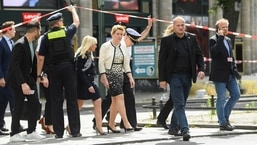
231, 9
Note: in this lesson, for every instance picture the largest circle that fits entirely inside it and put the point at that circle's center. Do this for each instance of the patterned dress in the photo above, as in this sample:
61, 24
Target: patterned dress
115, 74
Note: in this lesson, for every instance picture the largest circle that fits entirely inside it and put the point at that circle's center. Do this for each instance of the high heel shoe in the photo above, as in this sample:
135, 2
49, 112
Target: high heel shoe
42, 122
67, 128
128, 129
113, 131
97, 131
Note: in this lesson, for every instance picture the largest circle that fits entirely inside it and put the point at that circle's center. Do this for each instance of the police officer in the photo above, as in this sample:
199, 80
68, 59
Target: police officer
130, 39
59, 55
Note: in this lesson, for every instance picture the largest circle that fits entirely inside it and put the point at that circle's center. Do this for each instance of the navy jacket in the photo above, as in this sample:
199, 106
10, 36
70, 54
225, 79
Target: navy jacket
5, 53
220, 67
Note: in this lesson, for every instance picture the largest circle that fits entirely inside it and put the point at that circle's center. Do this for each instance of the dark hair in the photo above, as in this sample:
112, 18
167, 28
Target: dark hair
6, 25
31, 26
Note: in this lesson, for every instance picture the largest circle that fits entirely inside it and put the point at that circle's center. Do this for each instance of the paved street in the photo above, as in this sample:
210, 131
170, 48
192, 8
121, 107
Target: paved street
149, 135
203, 129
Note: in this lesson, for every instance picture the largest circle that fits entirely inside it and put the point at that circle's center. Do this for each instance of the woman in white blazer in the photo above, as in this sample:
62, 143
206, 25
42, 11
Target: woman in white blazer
113, 61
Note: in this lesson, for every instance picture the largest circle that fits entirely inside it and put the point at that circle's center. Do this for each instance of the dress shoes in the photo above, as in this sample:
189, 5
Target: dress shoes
163, 124
174, 132
76, 135
3, 133
186, 136
227, 127
138, 128
4, 129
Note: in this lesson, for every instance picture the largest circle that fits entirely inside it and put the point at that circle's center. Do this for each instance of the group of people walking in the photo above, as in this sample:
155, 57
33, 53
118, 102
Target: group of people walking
53, 66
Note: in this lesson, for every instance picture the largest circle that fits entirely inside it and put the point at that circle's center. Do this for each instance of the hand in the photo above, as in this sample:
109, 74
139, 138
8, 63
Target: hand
45, 81
201, 75
163, 85
2, 82
132, 83
70, 8
25, 89
104, 81
91, 89
221, 32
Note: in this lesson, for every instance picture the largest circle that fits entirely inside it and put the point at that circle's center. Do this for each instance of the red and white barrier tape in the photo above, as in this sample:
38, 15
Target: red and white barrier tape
34, 19
237, 61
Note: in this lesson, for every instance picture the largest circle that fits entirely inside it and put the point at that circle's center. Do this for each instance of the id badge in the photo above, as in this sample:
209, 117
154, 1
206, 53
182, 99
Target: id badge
230, 59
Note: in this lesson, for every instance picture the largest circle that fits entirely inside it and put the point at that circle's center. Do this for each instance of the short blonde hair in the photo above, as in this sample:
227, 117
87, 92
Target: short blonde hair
87, 42
117, 27
222, 20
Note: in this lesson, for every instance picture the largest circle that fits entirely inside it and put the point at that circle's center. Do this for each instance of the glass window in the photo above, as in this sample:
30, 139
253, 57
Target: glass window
123, 5
30, 4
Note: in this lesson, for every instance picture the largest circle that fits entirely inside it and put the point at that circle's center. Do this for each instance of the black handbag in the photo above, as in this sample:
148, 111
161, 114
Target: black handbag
25, 111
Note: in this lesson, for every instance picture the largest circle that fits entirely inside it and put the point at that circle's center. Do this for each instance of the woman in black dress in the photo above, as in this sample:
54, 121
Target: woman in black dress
86, 85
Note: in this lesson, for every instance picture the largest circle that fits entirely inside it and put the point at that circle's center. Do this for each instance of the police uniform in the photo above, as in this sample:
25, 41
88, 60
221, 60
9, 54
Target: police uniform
129, 97
59, 56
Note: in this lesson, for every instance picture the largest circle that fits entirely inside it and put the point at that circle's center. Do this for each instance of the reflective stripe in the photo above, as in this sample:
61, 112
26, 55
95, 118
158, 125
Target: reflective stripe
56, 34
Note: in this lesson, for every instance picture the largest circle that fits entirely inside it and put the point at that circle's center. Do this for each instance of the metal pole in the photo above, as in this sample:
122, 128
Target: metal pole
101, 41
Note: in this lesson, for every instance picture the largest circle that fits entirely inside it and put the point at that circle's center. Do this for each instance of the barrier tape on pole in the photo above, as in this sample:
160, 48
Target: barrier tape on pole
25, 22
133, 16
166, 21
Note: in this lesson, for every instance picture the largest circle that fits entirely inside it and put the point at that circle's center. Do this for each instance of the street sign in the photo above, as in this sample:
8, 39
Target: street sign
144, 61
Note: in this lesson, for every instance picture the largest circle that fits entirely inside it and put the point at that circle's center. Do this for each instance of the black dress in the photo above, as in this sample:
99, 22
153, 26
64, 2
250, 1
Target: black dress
85, 78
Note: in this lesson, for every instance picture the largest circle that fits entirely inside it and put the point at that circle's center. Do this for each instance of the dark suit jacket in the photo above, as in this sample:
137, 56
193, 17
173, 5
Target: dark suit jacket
220, 67
167, 56
21, 68
5, 53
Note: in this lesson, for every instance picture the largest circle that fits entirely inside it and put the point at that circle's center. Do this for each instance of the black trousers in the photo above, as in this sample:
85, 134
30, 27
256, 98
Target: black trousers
130, 103
6, 97
18, 107
62, 78
48, 105
164, 113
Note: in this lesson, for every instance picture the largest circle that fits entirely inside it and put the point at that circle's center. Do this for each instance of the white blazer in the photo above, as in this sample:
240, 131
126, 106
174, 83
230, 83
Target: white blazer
106, 55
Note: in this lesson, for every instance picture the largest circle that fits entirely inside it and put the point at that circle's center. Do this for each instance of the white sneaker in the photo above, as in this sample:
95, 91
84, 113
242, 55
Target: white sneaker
17, 138
34, 136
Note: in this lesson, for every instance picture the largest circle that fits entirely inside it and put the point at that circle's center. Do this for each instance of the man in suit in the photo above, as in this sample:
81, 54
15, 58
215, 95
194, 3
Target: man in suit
180, 59
21, 77
6, 45
223, 74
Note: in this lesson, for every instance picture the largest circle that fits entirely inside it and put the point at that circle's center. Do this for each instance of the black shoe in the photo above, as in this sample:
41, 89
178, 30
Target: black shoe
107, 116
226, 127
21, 128
186, 136
230, 124
76, 135
174, 132
113, 131
138, 128
163, 124
3, 133
94, 125
58, 136
4, 129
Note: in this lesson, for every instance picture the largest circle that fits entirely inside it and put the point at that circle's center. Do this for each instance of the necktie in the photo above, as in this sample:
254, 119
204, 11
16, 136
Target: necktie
11, 42
226, 45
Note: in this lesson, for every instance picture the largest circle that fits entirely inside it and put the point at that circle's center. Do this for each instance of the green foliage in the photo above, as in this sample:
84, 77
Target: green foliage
223, 4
